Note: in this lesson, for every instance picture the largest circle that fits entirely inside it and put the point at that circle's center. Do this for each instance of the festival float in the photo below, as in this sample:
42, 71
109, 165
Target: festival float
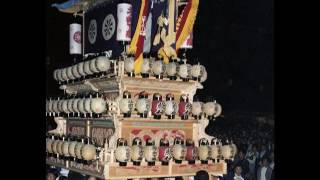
127, 108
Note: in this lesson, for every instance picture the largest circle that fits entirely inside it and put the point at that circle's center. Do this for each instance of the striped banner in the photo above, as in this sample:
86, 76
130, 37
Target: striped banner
186, 21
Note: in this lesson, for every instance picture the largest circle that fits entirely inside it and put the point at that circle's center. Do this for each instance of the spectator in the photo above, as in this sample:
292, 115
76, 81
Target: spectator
264, 172
251, 156
51, 174
237, 174
241, 161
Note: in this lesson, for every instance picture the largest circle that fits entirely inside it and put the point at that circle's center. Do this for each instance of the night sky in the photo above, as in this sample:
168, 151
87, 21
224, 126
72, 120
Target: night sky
233, 39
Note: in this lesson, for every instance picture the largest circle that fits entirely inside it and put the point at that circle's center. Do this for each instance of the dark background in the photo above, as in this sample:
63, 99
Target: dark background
232, 39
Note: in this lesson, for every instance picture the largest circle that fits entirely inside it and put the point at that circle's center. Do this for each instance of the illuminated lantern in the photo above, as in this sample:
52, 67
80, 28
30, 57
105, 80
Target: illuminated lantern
88, 151
143, 105
170, 106
158, 69
178, 150
122, 152
126, 104
184, 72
77, 150
136, 151
150, 152
196, 109
197, 71
215, 150
171, 69
192, 151
164, 152
145, 66
157, 106
184, 107
129, 65
204, 151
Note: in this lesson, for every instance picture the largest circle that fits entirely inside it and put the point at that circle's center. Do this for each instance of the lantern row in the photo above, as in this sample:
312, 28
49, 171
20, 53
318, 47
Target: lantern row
84, 150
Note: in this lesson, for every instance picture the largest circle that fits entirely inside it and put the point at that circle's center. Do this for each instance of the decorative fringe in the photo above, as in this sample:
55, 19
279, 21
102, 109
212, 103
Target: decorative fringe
188, 26
133, 45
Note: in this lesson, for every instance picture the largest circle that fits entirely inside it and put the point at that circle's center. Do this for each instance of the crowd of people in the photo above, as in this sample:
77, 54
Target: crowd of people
54, 173
254, 140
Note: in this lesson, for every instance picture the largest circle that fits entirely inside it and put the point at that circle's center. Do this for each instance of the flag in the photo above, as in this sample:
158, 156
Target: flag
136, 45
147, 41
186, 21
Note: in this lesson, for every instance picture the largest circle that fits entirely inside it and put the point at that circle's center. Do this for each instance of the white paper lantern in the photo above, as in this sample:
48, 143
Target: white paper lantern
65, 148
50, 106
86, 68
196, 109
49, 145
145, 66
75, 71
178, 152
170, 107
55, 146
59, 147
150, 153
184, 70
196, 70
75, 105
60, 108
209, 108
124, 105
72, 147
77, 150
122, 153
93, 67
218, 110
204, 75
136, 153
143, 105
203, 153
102, 64
59, 75
65, 106
55, 106
215, 151
157, 67
64, 74
129, 64
171, 69
81, 106
69, 104
98, 105
87, 105
227, 152
89, 152
80, 67
69, 73
55, 74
